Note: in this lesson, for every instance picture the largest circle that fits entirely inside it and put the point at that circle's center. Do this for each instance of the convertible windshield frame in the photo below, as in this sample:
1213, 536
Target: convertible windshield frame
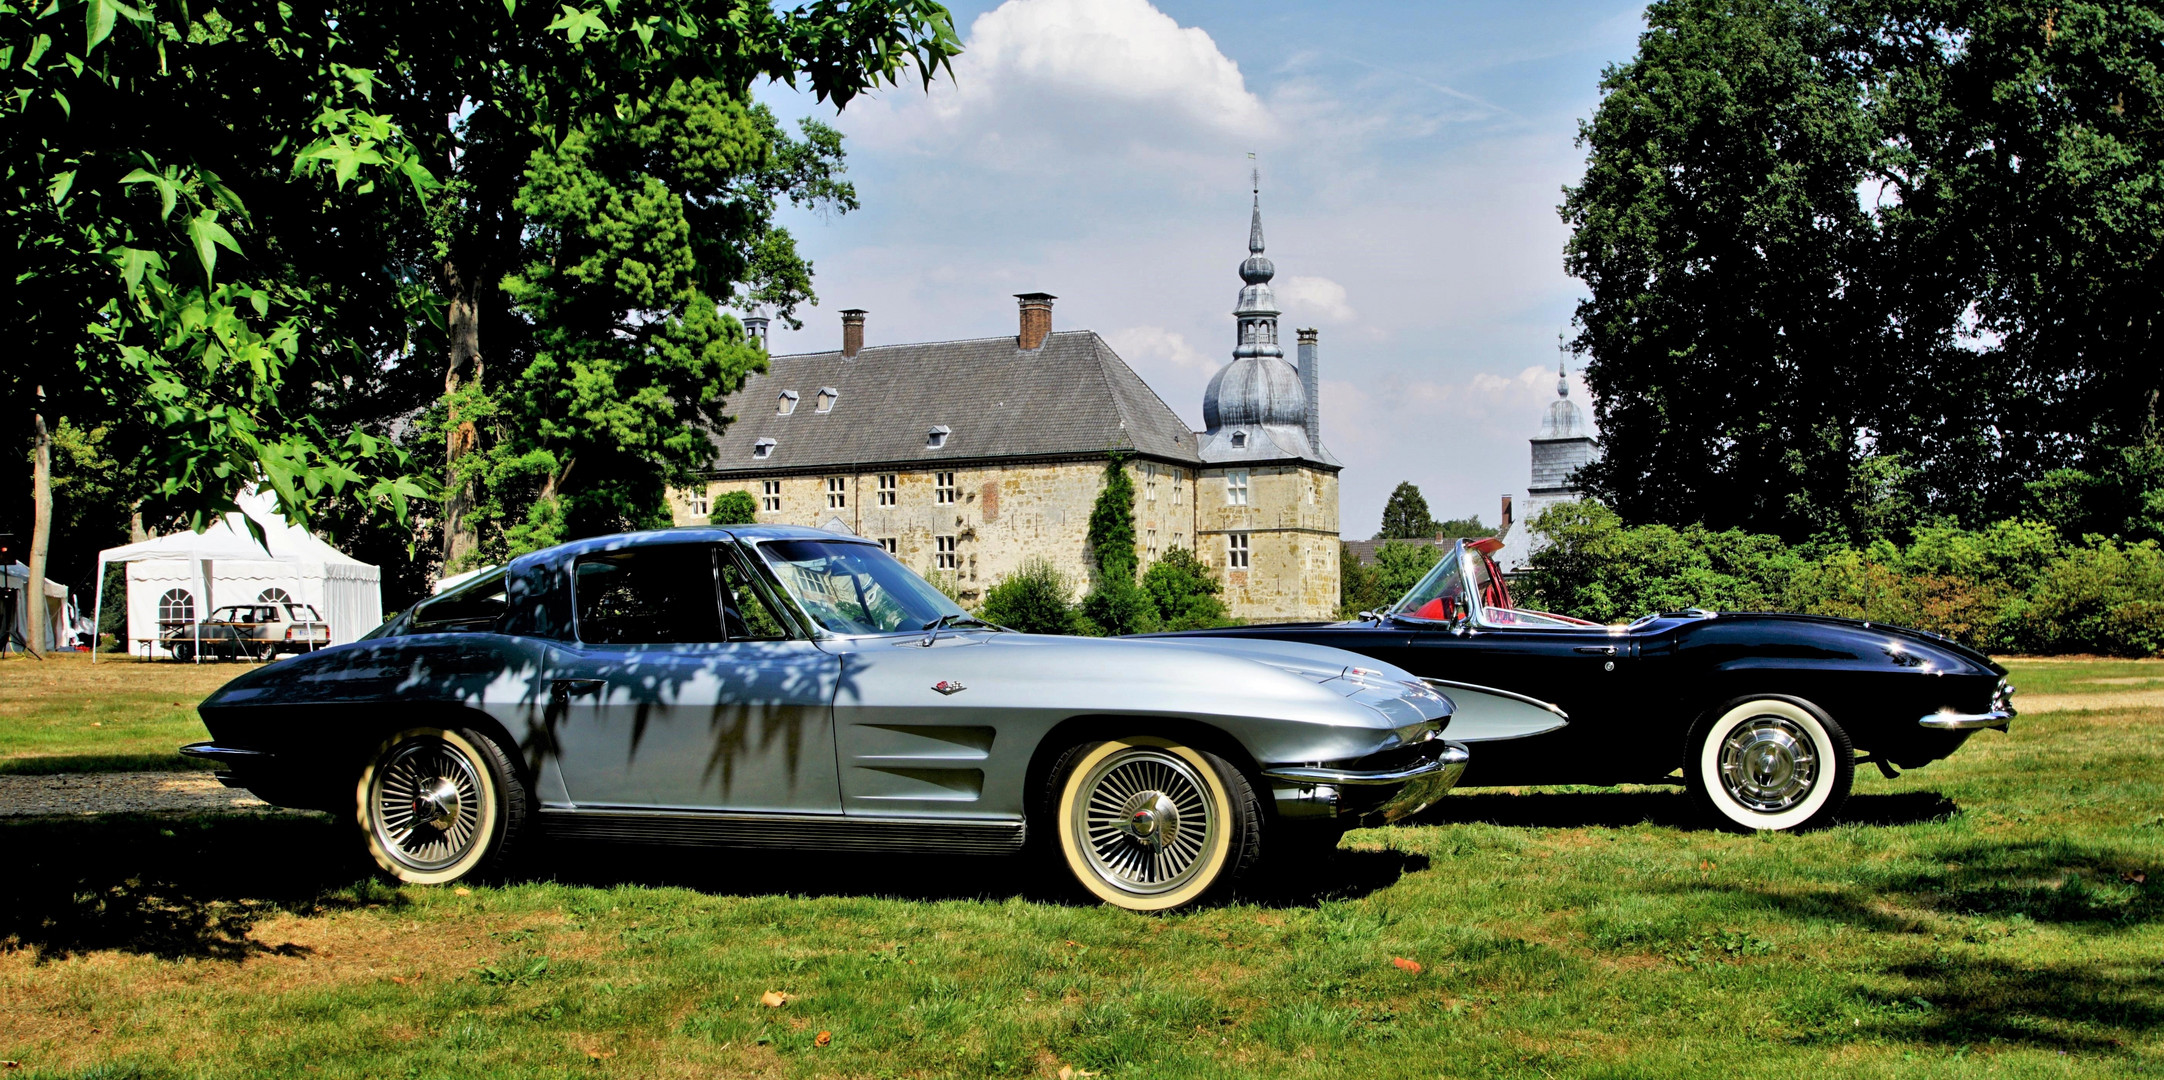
888, 597
1431, 586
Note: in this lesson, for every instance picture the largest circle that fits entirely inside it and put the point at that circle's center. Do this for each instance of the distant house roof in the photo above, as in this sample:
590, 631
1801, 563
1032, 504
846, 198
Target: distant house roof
1073, 397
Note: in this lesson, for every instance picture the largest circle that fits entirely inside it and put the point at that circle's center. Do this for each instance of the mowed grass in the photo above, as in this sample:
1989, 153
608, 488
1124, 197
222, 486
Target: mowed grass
1997, 914
65, 714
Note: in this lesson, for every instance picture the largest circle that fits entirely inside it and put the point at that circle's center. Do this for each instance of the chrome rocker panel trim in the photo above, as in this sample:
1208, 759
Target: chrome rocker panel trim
1951, 721
210, 751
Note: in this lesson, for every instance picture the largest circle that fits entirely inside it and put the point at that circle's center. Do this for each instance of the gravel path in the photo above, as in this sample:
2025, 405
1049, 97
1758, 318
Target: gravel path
120, 793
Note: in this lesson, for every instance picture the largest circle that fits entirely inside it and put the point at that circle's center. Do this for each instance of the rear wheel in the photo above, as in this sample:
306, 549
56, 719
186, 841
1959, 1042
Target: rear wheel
184, 651
438, 804
1769, 763
1149, 824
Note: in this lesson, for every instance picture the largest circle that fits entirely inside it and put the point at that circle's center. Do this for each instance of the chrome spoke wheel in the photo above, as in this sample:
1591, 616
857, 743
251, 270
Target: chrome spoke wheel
425, 805
1767, 764
1146, 820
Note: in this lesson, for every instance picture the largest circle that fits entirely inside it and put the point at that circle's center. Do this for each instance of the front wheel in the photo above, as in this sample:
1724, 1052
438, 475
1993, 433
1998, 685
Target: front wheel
1769, 763
437, 804
1148, 824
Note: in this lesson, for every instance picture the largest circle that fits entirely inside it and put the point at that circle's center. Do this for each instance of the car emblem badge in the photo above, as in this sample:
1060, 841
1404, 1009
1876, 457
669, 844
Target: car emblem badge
948, 686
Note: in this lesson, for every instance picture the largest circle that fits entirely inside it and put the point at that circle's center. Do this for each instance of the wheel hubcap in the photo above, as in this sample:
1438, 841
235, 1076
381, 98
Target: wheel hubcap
426, 805
1145, 820
1767, 764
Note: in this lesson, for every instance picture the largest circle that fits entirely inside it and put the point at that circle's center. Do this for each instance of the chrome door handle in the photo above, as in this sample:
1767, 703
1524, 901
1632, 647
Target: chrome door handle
1596, 650
566, 689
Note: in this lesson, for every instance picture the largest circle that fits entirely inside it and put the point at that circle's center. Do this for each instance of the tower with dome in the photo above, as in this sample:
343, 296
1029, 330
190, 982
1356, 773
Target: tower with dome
1564, 445
1268, 515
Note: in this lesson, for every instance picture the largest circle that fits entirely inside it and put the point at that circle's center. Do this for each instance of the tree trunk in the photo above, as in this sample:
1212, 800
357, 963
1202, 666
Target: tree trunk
136, 532
41, 525
462, 369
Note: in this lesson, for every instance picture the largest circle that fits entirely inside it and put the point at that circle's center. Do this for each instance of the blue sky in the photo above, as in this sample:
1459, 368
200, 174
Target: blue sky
1412, 157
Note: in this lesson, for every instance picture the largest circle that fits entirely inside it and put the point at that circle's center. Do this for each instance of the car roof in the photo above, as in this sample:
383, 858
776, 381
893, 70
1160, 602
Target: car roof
683, 534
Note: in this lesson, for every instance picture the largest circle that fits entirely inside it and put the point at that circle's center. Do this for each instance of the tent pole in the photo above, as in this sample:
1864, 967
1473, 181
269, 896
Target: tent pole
97, 612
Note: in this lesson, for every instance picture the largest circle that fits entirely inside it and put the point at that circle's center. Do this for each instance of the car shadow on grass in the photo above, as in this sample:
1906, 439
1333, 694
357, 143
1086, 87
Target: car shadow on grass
1670, 809
195, 886
170, 886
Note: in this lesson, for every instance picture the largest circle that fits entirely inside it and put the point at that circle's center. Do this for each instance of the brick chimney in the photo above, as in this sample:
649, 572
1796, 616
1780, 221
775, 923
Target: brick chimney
1311, 381
1036, 319
852, 331
1504, 528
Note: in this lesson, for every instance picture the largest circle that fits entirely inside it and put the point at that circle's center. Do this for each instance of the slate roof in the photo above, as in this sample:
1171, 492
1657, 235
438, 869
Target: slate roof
1072, 397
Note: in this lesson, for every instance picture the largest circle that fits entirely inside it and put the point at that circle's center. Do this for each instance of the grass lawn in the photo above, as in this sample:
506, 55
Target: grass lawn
2000, 913
66, 715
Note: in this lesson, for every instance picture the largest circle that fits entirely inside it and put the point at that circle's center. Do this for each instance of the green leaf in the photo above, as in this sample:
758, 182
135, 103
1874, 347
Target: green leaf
208, 236
168, 192
62, 184
510, 7
98, 21
575, 23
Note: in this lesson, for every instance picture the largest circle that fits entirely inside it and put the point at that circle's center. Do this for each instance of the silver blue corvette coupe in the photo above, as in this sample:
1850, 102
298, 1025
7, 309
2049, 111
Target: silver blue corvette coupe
786, 688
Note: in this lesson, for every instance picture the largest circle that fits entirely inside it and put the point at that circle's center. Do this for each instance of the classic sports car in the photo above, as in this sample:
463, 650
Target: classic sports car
782, 687
256, 631
1762, 713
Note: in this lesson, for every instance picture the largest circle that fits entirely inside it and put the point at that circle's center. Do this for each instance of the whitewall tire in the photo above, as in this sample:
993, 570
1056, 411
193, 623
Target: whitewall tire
1774, 763
1149, 824
438, 804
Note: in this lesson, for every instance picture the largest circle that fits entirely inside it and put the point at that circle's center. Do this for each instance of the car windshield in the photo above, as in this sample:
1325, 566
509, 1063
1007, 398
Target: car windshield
856, 588
1440, 596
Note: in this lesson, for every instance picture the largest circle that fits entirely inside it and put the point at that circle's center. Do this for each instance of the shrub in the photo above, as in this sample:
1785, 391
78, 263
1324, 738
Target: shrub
1033, 599
734, 508
1184, 591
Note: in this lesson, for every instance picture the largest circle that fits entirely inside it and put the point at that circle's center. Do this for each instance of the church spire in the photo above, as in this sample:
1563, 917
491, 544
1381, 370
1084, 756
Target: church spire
1258, 305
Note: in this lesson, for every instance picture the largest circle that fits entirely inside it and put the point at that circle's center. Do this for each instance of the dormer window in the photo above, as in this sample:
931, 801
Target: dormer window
761, 449
827, 397
786, 404
1239, 440
936, 439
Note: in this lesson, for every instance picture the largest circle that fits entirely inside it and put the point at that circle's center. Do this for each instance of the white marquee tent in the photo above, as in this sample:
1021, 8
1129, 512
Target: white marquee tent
186, 575
59, 623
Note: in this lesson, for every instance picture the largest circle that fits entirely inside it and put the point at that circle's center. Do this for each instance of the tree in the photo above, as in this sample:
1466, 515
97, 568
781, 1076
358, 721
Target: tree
734, 508
1115, 604
1033, 599
635, 225
1399, 567
1358, 587
1465, 528
1768, 351
1406, 516
1184, 591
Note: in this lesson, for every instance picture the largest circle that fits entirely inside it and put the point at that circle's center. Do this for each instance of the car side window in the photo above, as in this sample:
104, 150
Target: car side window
747, 615
661, 594
474, 606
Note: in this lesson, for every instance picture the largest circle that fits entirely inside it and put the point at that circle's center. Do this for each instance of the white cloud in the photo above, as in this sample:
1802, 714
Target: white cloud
1154, 345
1311, 298
1035, 72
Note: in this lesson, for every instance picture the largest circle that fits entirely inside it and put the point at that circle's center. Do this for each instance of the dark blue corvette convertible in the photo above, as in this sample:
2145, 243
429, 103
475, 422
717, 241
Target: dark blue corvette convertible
1763, 714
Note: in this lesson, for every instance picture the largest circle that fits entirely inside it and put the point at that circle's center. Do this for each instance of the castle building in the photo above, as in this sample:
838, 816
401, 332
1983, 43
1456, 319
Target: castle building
965, 458
1564, 445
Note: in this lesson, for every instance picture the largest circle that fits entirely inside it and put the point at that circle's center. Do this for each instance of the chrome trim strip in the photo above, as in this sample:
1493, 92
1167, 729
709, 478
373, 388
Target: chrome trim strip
214, 752
1452, 756
1953, 721
1548, 705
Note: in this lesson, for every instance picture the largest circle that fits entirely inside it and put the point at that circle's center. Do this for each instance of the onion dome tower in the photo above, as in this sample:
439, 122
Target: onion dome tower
1258, 407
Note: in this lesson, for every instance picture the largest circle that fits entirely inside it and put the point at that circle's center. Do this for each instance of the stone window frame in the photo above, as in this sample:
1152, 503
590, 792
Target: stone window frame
769, 495
946, 554
1236, 551
1149, 481
890, 490
892, 544
944, 489
1236, 487
837, 493
697, 504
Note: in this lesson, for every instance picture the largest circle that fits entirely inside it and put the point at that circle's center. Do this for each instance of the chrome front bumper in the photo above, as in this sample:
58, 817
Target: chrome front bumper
1953, 721
1305, 791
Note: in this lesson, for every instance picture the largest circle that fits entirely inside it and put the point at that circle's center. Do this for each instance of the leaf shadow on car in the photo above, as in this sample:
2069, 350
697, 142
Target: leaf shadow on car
1669, 808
